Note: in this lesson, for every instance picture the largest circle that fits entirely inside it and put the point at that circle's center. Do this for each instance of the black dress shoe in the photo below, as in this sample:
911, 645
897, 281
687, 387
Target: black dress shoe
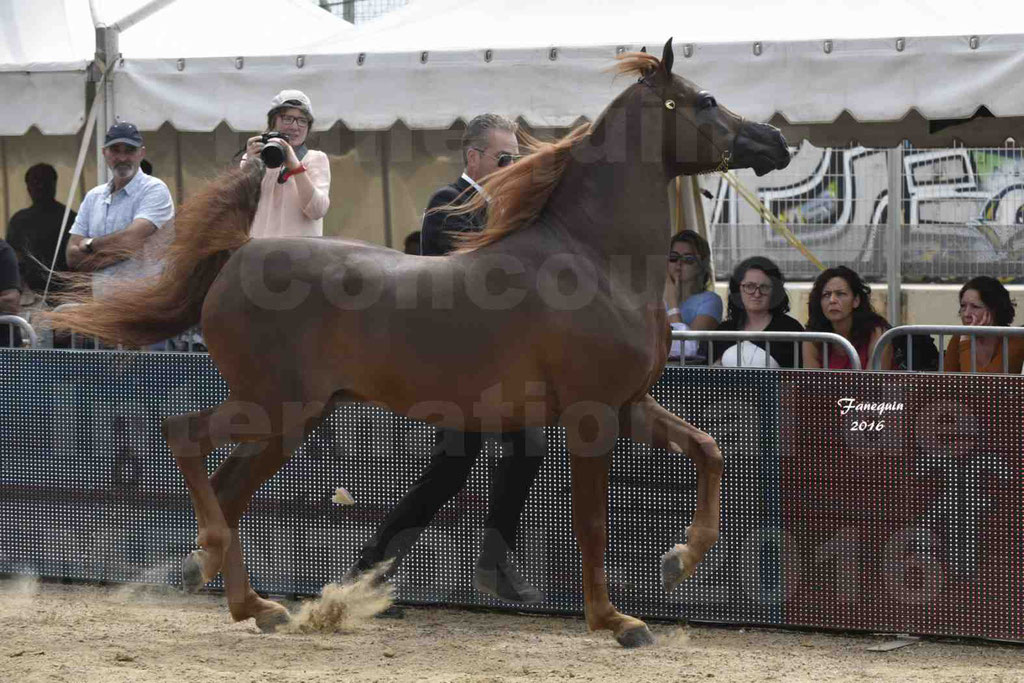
503, 581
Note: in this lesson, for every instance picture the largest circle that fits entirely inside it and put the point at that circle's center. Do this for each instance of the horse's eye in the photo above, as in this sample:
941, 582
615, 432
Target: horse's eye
706, 101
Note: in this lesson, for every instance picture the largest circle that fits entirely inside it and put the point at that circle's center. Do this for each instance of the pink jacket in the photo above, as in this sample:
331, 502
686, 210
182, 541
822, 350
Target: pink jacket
279, 213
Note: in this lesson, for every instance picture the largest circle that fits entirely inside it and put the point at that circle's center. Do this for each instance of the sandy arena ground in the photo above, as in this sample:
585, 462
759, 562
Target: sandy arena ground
51, 632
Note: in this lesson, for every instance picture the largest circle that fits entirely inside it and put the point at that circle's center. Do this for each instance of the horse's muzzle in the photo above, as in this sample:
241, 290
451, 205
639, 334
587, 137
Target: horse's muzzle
761, 147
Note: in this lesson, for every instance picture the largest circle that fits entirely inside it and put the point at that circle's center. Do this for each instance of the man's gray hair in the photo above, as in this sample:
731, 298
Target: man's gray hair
480, 127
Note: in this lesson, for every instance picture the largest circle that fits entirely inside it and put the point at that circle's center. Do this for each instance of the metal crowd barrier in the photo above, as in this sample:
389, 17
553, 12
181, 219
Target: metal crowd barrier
12, 321
826, 338
183, 343
972, 331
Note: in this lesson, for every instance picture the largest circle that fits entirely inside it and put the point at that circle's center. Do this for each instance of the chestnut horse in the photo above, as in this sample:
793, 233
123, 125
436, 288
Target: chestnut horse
553, 315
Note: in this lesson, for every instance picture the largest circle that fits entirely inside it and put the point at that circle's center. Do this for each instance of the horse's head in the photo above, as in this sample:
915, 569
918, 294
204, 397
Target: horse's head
701, 135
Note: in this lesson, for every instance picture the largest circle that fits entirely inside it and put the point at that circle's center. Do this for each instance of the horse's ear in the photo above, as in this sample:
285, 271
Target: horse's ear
644, 49
667, 57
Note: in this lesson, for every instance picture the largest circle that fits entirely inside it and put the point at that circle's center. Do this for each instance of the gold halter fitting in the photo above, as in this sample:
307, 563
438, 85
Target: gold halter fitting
670, 104
723, 165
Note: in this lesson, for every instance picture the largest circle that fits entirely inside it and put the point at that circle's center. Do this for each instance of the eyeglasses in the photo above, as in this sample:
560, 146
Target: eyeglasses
751, 287
288, 120
688, 259
503, 159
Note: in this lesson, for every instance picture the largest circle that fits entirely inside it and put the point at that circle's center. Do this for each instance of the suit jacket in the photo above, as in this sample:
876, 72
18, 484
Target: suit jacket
438, 227
32, 233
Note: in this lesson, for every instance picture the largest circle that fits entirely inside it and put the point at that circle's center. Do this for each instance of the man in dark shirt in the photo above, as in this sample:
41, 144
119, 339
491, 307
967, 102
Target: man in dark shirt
33, 232
10, 293
488, 144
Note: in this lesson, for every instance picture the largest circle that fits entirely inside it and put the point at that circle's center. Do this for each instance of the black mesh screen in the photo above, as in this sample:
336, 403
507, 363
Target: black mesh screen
911, 526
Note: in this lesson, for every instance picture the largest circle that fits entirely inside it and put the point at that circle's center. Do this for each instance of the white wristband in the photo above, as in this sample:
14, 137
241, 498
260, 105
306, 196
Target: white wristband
671, 311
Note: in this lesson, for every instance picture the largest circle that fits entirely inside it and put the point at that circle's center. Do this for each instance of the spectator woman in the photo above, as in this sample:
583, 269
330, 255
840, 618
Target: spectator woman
295, 196
984, 301
689, 302
758, 302
840, 302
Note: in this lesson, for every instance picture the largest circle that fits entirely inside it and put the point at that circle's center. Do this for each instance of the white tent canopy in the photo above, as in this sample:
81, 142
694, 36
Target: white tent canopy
829, 64
47, 45
224, 28
45, 50
437, 61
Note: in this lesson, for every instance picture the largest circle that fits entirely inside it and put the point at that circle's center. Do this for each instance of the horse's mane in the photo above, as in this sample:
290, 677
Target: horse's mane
518, 193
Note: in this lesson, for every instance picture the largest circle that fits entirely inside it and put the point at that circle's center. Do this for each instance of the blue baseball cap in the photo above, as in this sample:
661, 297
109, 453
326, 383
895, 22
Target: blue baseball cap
123, 132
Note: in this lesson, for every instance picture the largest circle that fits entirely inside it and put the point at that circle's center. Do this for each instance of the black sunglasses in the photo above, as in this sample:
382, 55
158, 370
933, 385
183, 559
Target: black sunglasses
674, 256
504, 159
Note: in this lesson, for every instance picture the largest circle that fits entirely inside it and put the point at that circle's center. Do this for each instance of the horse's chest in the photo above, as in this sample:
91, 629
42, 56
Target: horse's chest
622, 353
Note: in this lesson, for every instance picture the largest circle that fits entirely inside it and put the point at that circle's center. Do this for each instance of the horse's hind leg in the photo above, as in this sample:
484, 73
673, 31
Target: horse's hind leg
239, 477
190, 440
235, 482
648, 422
589, 520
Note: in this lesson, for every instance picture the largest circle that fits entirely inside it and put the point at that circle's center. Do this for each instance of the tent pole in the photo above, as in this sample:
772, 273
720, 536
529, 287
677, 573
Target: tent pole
894, 243
385, 183
106, 55
4, 181
108, 51
701, 222
690, 212
129, 20
179, 174
679, 221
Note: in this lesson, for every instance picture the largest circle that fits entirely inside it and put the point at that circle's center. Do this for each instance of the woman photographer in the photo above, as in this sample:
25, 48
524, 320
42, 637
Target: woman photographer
295, 196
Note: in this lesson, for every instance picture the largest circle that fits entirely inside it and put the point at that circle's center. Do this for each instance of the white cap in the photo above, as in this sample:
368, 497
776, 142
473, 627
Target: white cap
294, 98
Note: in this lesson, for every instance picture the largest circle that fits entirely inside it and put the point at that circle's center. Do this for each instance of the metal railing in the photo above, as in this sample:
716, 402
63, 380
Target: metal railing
183, 343
12, 321
796, 338
972, 331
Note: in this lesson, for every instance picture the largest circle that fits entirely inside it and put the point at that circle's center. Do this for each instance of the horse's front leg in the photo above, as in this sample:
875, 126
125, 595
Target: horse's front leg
648, 422
589, 521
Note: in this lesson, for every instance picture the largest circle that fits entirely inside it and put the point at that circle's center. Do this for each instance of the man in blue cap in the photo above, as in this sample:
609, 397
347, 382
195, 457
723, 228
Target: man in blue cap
117, 217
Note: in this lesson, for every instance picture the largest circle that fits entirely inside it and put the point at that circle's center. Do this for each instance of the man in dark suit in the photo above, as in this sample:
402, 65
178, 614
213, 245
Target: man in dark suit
33, 232
489, 143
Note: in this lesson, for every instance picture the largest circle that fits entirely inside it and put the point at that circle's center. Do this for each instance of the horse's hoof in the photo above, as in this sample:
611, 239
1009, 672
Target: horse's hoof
676, 565
268, 622
192, 572
636, 637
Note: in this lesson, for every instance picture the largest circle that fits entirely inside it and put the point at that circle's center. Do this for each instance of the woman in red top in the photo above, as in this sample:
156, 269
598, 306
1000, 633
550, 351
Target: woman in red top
840, 302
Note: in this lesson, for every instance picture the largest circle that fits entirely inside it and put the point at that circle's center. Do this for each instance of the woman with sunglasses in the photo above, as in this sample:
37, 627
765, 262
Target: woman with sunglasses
758, 302
984, 301
690, 303
294, 197
840, 302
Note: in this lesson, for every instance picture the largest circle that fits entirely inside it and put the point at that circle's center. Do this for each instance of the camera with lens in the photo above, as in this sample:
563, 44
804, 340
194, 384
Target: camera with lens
273, 153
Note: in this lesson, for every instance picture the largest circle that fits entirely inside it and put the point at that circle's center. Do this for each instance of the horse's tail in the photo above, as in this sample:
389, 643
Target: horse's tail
143, 311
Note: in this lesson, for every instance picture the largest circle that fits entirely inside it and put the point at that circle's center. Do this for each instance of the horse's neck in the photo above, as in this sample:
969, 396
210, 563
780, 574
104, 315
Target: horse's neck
613, 195
617, 209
